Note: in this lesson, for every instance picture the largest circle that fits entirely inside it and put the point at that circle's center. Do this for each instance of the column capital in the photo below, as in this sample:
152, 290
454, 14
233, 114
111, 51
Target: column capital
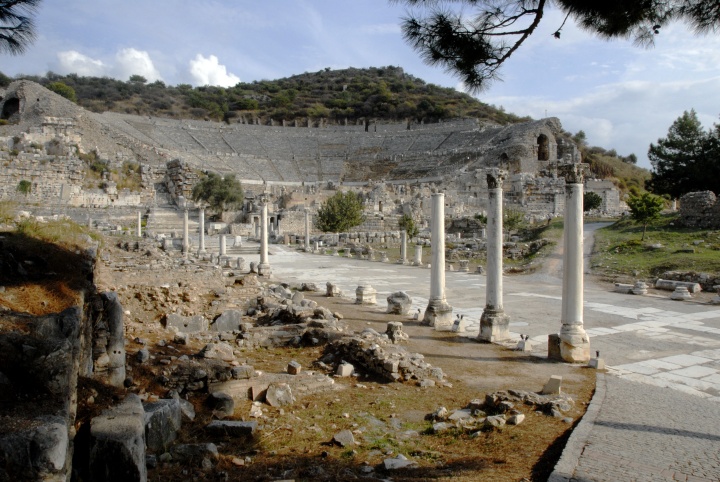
574, 173
495, 177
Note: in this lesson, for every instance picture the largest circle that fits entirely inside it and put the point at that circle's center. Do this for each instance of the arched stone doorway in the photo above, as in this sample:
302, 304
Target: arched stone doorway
543, 148
10, 108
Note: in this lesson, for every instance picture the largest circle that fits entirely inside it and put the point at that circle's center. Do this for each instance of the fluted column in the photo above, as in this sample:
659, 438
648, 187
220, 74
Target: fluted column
264, 266
573, 340
439, 312
494, 323
403, 247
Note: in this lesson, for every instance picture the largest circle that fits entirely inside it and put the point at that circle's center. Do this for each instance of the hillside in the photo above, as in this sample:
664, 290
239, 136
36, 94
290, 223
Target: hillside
384, 94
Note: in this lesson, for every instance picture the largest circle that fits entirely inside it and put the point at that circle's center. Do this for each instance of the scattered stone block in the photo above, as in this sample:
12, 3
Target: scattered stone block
117, 447
681, 293
232, 428
672, 285
640, 288
186, 324
242, 372
229, 320
554, 347
461, 414
218, 351
162, 421
516, 419
427, 383
399, 462
184, 453
279, 395
345, 370
597, 363
442, 426
221, 404
553, 386
294, 368
395, 332
623, 288
494, 421
399, 303
143, 355
344, 438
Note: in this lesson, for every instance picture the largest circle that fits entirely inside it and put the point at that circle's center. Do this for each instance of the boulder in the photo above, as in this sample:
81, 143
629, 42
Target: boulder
232, 428
218, 351
229, 320
221, 404
279, 395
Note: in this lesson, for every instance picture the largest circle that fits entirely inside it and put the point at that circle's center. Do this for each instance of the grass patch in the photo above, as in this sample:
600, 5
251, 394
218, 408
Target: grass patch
618, 250
7, 211
63, 232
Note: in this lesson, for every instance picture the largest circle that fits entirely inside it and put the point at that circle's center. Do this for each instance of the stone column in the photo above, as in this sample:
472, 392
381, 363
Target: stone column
264, 267
201, 216
439, 312
223, 245
186, 233
307, 229
573, 341
418, 255
494, 323
139, 224
403, 247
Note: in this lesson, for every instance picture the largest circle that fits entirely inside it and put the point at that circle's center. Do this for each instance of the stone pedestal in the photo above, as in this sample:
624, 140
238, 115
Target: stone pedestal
494, 323
681, 293
574, 341
438, 313
365, 295
263, 268
640, 288
464, 266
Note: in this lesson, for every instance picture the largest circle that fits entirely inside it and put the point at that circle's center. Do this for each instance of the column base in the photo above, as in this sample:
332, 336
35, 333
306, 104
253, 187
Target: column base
494, 326
569, 347
438, 314
263, 269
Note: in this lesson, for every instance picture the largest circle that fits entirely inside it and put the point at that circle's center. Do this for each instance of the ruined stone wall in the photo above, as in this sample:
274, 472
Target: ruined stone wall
180, 178
700, 210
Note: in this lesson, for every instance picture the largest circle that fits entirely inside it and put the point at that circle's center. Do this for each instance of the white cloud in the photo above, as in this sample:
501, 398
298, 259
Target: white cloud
209, 71
131, 61
73, 62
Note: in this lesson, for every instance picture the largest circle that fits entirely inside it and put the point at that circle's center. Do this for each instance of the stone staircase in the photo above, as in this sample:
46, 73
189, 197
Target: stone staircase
169, 219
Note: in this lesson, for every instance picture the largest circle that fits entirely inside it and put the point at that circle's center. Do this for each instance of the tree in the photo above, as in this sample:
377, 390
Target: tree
644, 209
17, 27
342, 211
137, 79
219, 193
473, 38
513, 219
686, 160
64, 90
407, 223
591, 201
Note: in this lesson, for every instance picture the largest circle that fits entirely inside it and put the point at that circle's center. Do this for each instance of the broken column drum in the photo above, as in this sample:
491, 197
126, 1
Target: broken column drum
223, 245
438, 312
201, 216
494, 323
418, 255
264, 267
186, 233
574, 341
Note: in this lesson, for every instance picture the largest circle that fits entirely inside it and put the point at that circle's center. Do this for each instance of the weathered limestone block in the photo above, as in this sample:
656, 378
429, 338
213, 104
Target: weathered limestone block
162, 421
395, 332
640, 288
117, 449
365, 295
399, 303
229, 320
218, 351
279, 395
115, 339
221, 404
186, 324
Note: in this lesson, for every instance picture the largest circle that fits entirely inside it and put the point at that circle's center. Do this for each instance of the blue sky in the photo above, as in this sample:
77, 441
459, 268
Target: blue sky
622, 96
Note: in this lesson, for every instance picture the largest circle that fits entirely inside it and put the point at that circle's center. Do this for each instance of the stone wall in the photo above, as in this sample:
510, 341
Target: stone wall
700, 210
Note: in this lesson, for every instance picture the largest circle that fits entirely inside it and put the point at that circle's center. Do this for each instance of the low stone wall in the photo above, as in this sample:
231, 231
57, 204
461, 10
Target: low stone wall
706, 280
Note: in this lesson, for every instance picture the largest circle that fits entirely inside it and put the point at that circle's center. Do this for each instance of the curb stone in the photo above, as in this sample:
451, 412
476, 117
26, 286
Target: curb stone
565, 468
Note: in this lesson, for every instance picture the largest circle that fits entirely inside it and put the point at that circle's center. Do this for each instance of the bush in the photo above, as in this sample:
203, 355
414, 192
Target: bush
24, 187
340, 213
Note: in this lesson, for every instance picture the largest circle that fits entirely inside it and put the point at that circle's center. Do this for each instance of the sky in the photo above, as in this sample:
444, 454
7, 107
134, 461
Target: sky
621, 96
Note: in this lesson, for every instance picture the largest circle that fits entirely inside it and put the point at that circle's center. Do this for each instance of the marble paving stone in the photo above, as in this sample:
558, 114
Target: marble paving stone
638, 368
661, 365
695, 371
685, 360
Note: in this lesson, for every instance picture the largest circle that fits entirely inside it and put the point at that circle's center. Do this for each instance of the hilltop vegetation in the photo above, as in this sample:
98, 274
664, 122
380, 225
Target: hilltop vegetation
385, 93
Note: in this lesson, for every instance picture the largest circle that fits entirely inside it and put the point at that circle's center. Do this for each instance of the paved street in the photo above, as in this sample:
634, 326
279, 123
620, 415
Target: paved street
655, 415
